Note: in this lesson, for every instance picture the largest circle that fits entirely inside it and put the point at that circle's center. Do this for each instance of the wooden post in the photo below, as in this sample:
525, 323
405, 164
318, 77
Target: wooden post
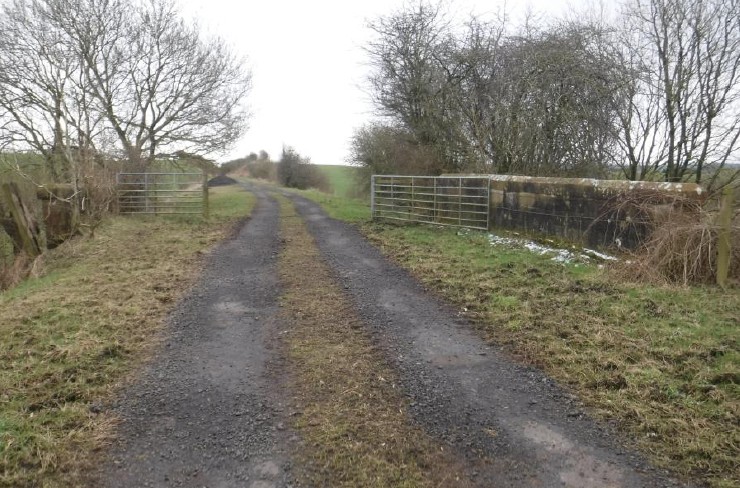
206, 205
29, 233
724, 236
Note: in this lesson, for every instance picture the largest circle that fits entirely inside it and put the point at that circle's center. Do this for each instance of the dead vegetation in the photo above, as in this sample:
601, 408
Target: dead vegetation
679, 236
62, 212
351, 416
683, 249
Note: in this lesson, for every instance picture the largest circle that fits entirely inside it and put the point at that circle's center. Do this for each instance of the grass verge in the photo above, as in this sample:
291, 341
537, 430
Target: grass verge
353, 420
343, 179
347, 209
661, 361
69, 339
355, 210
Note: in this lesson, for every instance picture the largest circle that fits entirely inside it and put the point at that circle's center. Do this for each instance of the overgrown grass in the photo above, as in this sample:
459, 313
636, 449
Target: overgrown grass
353, 420
662, 361
355, 210
342, 179
70, 338
347, 209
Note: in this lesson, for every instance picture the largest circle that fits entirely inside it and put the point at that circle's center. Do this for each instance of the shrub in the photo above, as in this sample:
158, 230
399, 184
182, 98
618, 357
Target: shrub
682, 246
296, 171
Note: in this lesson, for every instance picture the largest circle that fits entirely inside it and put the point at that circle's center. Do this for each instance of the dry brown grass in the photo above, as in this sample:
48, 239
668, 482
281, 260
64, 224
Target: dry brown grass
681, 235
353, 420
683, 249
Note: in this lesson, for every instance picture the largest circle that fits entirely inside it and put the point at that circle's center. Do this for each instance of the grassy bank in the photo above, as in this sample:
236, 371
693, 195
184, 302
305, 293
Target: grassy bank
347, 209
343, 179
662, 362
69, 339
352, 418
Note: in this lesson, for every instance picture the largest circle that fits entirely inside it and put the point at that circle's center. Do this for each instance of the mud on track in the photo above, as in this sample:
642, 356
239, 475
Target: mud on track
206, 411
515, 427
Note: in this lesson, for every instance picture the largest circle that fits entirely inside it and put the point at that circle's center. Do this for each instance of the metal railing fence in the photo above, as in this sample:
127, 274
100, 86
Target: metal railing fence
161, 193
461, 201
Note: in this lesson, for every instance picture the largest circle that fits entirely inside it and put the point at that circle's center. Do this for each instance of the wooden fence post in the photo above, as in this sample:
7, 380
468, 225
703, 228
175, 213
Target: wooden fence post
206, 204
28, 230
724, 236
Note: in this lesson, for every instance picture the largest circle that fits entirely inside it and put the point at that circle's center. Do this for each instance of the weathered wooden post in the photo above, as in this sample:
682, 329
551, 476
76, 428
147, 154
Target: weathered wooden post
206, 205
29, 232
724, 236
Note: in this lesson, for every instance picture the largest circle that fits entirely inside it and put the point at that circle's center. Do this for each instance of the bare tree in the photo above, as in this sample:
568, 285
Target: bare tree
37, 72
160, 84
684, 117
534, 103
413, 77
83, 77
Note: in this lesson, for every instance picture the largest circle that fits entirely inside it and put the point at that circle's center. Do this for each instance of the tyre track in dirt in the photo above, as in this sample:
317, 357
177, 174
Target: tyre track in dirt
515, 426
206, 411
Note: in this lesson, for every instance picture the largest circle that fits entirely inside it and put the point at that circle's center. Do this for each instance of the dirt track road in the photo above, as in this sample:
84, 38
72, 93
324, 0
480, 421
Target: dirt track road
206, 411
210, 410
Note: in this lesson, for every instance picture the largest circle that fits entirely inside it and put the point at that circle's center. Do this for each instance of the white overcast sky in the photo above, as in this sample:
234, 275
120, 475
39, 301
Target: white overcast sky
309, 67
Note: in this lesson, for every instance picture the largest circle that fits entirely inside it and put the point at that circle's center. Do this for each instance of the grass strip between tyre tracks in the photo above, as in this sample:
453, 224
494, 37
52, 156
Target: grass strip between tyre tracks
352, 417
71, 338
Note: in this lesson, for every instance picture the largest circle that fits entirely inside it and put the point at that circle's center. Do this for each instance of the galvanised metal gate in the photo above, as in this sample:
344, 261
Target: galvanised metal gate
162, 193
461, 201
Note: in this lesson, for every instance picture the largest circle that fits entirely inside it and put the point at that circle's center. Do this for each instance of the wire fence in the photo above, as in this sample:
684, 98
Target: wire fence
460, 201
161, 193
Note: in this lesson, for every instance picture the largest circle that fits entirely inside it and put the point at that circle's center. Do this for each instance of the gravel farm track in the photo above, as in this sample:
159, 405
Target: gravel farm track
211, 409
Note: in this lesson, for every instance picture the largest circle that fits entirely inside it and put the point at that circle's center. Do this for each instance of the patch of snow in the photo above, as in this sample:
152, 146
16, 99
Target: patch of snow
564, 256
599, 255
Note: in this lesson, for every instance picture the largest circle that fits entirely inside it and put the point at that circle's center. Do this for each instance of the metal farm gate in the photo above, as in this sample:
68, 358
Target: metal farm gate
162, 193
461, 201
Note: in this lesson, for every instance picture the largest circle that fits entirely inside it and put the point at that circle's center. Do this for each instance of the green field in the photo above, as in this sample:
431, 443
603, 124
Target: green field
342, 179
